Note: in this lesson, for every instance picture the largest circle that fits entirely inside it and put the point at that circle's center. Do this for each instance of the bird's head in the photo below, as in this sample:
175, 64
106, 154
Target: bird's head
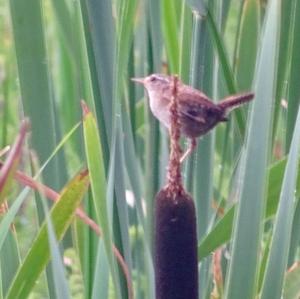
155, 83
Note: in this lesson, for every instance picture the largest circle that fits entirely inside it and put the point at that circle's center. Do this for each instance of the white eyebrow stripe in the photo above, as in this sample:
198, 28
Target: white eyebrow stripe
162, 78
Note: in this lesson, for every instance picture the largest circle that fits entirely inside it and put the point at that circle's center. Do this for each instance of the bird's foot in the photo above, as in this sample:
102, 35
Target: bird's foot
191, 148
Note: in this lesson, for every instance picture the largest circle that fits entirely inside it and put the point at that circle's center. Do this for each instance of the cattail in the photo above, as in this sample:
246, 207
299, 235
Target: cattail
175, 247
176, 271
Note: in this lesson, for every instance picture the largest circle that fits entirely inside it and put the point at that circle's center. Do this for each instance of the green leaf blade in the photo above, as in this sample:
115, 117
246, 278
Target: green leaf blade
249, 216
61, 215
278, 257
98, 183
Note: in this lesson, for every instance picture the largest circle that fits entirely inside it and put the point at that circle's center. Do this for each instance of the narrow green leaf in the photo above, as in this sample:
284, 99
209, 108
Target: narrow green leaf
294, 88
196, 79
133, 168
277, 263
218, 236
221, 232
154, 12
59, 276
99, 30
98, 183
225, 11
101, 278
10, 260
243, 268
70, 69
287, 28
11, 214
263, 262
185, 42
63, 14
37, 258
276, 175
171, 34
126, 11
32, 61
219, 45
121, 232
247, 44
152, 175
125, 20
199, 174
225, 66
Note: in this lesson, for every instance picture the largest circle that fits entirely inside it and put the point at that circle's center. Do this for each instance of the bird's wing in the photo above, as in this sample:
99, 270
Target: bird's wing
193, 112
195, 105
194, 95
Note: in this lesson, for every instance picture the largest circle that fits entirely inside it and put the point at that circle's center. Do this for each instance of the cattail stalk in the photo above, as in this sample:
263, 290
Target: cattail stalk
176, 271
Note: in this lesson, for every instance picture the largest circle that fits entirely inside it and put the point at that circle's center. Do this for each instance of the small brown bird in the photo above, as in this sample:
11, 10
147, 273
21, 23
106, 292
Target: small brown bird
197, 113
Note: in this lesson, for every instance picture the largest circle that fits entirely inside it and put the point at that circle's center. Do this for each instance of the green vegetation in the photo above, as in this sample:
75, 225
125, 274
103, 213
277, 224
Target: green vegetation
66, 67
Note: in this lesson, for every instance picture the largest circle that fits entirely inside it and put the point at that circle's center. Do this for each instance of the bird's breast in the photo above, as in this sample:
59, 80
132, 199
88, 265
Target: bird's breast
160, 109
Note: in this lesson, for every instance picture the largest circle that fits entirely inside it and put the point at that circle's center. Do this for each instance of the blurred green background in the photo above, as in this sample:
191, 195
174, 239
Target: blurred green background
243, 176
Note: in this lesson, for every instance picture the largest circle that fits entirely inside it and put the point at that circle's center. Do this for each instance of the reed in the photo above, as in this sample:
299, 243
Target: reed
243, 176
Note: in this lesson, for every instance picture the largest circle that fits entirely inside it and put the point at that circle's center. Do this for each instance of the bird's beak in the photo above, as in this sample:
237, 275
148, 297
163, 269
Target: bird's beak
138, 80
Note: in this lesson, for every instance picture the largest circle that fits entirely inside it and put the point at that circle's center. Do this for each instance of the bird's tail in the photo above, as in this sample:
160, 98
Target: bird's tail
234, 101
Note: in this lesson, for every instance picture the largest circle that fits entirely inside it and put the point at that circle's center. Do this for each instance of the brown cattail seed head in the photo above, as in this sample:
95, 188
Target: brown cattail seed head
176, 271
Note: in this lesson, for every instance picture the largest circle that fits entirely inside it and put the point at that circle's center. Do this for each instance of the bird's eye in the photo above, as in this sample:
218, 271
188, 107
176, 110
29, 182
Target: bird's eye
153, 79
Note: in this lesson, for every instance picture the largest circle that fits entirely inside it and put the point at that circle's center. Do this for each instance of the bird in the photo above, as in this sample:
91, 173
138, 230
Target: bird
197, 113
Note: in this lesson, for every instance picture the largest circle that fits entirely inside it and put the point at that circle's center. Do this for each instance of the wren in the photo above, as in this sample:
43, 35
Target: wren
197, 113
